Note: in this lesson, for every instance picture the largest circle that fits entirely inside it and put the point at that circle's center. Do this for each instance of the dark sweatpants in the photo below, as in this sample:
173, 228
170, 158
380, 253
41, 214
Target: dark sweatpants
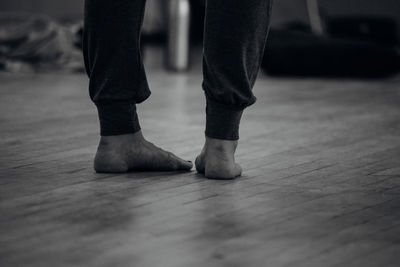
234, 40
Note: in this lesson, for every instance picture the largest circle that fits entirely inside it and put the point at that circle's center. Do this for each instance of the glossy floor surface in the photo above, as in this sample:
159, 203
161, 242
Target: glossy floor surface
320, 187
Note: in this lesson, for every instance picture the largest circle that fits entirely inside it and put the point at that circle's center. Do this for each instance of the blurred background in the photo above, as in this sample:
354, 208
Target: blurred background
308, 37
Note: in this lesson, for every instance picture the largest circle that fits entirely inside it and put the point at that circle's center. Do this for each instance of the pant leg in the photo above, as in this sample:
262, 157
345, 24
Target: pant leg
234, 39
111, 46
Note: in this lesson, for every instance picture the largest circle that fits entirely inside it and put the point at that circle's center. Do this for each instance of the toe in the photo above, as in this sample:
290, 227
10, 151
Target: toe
180, 164
186, 165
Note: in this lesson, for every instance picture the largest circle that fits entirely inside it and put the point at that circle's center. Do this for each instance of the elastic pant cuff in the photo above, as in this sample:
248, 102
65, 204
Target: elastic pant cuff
117, 117
222, 121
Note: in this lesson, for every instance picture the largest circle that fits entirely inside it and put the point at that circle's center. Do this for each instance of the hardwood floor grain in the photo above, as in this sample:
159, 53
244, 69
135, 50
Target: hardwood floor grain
320, 185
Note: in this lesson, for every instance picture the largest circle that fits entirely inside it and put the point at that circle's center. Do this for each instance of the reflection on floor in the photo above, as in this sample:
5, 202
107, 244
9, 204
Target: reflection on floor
321, 183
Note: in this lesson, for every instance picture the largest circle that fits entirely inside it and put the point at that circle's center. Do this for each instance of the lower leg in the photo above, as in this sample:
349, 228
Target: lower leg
234, 41
117, 83
111, 48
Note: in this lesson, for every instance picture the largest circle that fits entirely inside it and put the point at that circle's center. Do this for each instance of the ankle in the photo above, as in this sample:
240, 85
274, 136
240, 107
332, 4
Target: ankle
118, 140
220, 145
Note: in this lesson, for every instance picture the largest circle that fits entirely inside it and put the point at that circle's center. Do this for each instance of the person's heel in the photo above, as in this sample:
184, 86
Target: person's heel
108, 162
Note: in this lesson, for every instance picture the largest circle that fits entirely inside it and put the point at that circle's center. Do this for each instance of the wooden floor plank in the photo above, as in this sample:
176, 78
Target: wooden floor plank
321, 181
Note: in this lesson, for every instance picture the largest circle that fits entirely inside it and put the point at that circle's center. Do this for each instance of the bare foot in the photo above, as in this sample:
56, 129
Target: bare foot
122, 153
217, 159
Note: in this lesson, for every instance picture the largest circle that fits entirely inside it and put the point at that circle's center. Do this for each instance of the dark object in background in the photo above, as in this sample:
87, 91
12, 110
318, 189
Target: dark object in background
304, 54
31, 43
375, 29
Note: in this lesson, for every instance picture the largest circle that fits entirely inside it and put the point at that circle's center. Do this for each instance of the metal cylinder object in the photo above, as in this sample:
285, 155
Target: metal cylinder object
178, 34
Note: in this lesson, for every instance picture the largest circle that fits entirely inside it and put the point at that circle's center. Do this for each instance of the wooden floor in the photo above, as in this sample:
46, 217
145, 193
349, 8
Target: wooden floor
321, 185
